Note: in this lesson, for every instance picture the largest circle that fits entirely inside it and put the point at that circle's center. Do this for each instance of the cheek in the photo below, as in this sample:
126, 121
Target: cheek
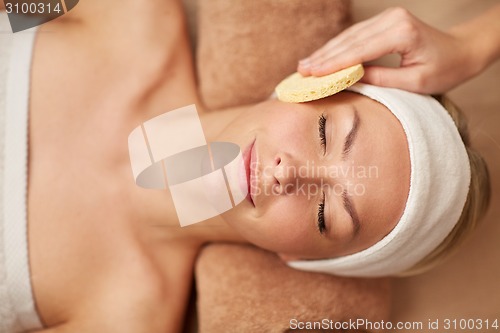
287, 226
289, 128
282, 227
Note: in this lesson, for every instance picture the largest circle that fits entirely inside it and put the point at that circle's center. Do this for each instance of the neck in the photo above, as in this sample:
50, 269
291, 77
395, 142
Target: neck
216, 229
215, 122
212, 230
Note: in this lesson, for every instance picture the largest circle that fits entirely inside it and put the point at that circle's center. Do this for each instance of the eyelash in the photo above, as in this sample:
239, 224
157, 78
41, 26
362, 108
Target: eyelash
322, 129
321, 216
321, 206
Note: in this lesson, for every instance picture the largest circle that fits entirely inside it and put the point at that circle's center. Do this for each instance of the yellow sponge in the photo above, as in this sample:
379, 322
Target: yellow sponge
297, 88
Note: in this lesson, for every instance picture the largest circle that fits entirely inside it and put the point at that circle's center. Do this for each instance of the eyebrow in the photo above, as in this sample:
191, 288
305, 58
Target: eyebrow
351, 210
351, 137
348, 143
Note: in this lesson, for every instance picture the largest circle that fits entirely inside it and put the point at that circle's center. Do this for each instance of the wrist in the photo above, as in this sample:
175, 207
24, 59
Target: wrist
477, 50
482, 38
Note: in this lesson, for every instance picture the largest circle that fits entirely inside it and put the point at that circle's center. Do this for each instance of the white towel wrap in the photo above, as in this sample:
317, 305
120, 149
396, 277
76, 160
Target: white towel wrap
439, 184
17, 306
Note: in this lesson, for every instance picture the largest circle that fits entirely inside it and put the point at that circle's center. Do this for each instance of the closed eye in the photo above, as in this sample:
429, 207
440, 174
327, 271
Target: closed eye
322, 131
321, 216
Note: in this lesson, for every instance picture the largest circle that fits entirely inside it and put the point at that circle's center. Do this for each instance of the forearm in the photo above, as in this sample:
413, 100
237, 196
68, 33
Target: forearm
482, 38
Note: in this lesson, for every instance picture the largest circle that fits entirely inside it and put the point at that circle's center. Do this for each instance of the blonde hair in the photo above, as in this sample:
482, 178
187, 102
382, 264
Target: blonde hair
475, 206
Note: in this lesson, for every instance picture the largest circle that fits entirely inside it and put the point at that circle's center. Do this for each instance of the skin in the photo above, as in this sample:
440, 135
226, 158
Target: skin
98, 260
432, 61
291, 143
108, 256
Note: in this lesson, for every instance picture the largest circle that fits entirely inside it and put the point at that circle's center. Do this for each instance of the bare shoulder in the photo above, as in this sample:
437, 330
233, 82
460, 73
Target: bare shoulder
111, 324
138, 291
122, 304
118, 14
129, 36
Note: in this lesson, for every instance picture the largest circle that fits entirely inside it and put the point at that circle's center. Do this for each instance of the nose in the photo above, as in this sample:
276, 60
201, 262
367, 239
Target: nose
290, 172
281, 173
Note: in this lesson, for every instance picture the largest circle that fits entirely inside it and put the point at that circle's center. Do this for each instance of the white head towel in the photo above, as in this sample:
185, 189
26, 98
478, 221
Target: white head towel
439, 184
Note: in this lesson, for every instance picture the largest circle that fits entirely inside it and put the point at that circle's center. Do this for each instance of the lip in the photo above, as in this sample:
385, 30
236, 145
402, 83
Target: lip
248, 158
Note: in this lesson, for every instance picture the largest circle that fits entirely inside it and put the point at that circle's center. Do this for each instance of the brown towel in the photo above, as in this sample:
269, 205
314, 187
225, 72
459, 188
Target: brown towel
246, 47
245, 289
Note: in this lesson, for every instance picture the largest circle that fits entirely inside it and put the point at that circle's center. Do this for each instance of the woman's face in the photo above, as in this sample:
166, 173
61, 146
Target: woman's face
327, 178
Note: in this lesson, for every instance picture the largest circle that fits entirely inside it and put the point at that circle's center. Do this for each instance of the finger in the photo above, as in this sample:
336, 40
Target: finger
375, 44
353, 34
349, 35
407, 78
343, 41
340, 57
303, 69
373, 48
347, 55
391, 24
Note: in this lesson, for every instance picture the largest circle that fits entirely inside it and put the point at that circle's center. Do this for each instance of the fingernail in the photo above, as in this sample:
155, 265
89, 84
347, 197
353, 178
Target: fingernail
304, 61
304, 65
316, 67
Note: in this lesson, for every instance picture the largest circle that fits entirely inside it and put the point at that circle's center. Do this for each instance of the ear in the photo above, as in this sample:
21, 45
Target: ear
287, 257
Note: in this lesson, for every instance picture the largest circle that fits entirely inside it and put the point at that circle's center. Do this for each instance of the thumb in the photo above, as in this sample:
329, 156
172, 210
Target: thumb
407, 78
